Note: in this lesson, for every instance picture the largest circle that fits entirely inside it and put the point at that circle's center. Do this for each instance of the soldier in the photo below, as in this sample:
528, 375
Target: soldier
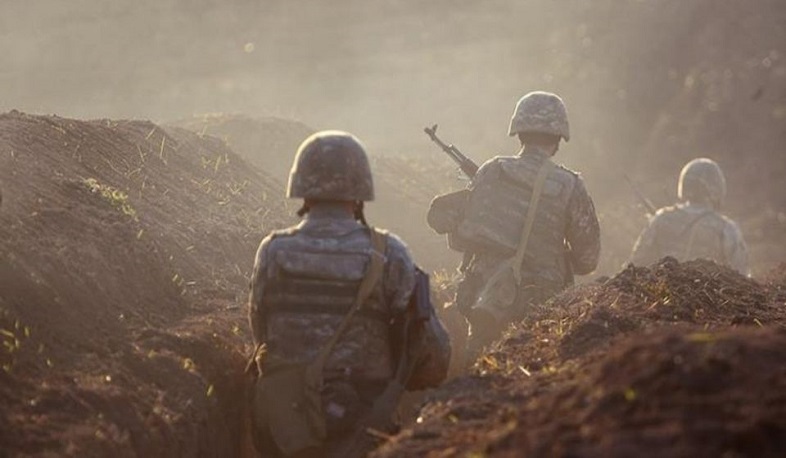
526, 225
334, 302
694, 228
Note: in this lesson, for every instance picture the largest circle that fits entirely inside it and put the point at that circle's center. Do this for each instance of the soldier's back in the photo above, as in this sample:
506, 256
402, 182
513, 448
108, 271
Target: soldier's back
314, 272
688, 232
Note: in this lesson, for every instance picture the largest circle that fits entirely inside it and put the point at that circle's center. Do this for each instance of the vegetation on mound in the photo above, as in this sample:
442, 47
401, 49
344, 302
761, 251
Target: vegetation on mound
119, 292
671, 359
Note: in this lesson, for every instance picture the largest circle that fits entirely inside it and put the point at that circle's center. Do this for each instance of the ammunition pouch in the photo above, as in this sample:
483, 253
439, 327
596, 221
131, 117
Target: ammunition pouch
287, 406
499, 292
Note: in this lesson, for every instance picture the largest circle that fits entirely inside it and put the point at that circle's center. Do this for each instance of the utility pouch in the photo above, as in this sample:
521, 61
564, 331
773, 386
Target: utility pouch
500, 289
288, 404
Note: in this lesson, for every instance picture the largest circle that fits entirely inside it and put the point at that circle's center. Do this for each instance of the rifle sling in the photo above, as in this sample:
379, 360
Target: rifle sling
529, 221
372, 276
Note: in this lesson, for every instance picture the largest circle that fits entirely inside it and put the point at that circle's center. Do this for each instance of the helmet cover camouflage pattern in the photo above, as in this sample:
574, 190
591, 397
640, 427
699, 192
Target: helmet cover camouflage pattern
541, 112
702, 181
331, 165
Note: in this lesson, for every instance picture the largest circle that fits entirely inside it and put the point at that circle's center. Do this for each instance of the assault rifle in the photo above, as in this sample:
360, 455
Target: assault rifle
380, 418
467, 166
651, 208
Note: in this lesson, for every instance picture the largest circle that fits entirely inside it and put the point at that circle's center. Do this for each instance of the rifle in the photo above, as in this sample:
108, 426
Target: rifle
651, 209
467, 166
380, 417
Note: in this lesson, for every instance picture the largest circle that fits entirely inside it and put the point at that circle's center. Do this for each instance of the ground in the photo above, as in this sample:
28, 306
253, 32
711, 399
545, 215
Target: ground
676, 360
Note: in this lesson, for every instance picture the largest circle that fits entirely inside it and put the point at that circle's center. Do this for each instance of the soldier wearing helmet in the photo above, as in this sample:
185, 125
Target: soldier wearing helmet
527, 226
694, 228
332, 295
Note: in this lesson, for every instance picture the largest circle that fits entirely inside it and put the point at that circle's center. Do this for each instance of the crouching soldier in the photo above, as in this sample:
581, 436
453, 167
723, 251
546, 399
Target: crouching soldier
694, 228
341, 312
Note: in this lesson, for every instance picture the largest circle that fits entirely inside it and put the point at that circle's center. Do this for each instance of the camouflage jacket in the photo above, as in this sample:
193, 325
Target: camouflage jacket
565, 237
690, 231
305, 280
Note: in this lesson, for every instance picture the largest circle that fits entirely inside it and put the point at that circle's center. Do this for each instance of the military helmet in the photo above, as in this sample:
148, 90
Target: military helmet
541, 112
702, 181
331, 165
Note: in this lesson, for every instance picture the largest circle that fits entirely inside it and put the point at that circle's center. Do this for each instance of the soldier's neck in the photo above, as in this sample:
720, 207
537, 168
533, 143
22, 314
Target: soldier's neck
539, 150
337, 210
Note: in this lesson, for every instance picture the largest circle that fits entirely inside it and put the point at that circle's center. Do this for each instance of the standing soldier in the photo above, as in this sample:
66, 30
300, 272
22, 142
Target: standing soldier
341, 312
694, 228
526, 225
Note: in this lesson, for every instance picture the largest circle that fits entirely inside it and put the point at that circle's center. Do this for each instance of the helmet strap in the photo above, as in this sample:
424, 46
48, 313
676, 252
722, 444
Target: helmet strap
359, 215
305, 208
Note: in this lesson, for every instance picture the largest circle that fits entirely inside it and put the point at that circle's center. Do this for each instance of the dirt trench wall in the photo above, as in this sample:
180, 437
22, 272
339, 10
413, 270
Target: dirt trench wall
674, 360
125, 253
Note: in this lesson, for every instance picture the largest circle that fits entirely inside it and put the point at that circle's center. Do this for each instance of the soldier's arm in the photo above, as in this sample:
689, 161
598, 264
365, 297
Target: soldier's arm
583, 232
433, 356
735, 249
399, 278
430, 343
255, 302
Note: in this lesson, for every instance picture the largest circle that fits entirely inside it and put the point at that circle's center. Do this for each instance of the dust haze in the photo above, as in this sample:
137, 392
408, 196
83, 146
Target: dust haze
648, 84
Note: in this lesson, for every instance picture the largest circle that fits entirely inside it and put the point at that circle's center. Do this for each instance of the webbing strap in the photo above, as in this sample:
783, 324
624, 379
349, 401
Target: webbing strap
374, 273
694, 226
537, 190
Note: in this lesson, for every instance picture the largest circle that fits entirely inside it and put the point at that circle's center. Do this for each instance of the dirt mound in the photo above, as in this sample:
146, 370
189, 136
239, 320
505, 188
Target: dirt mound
269, 143
404, 185
126, 249
671, 360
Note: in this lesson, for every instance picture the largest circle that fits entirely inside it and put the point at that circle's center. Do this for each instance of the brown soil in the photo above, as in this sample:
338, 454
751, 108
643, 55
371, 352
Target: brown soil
125, 251
677, 360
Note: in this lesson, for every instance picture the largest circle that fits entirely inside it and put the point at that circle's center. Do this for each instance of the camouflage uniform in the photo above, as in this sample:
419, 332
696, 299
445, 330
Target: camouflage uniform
694, 229
565, 236
306, 278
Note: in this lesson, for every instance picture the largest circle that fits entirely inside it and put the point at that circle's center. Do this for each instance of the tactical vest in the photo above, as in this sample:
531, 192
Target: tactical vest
498, 206
306, 299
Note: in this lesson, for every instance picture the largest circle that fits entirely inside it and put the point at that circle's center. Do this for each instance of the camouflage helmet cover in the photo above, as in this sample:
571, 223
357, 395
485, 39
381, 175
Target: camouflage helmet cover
331, 165
702, 181
541, 112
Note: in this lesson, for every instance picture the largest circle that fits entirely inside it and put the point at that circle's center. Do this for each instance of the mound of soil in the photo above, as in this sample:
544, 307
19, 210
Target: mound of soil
269, 143
125, 250
677, 359
404, 185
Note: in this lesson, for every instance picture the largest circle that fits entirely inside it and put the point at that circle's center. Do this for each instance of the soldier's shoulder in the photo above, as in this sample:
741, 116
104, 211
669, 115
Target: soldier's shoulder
278, 237
497, 160
396, 245
561, 168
